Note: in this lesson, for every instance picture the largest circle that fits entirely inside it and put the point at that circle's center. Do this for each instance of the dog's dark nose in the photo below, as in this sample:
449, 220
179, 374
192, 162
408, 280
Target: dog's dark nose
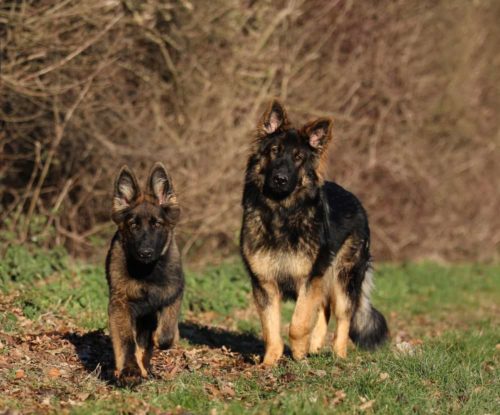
146, 253
280, 180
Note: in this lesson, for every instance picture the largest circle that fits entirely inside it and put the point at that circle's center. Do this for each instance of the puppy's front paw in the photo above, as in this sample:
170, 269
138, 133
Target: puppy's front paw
128, 377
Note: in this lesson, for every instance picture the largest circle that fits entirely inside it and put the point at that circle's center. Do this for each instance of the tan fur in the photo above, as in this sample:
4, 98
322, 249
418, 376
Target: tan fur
270, 122
270, 318
165, 319
143, 357
341, 305
309, 322
270, 264
134, 299
341, 337
320, 329
305, 316
321, 140
127, 289
122, 334
289, 238
118, 331
124, 287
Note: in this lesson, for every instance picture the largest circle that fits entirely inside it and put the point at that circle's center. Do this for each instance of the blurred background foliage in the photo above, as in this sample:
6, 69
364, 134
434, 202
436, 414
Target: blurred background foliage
412, 86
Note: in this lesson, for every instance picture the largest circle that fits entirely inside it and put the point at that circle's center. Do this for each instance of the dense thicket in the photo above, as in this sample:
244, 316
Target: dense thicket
413, 87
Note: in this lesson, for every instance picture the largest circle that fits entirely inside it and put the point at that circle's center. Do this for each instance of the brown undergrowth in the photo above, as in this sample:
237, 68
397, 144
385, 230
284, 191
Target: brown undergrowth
412, 87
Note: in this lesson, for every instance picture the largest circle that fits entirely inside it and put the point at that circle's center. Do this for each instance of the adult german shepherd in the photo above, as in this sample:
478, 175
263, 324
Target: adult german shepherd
306, 239
144, 272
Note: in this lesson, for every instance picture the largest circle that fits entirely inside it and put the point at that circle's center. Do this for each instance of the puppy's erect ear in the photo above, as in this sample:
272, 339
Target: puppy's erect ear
273, 119
319, 133
126, 192
160, 185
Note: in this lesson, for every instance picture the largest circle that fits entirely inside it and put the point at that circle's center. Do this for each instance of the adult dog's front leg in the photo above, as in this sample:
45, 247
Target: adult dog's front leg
267, 301
305, 316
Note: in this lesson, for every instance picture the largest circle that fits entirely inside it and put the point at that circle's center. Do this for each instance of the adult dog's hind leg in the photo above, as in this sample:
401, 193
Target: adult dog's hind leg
345, 266
267, 301
320, 329
305, 316
343, 314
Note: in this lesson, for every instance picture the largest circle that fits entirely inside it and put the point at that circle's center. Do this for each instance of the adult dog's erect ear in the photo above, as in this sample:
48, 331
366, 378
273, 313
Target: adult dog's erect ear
319, 133
273, 119
160, 184
126, 192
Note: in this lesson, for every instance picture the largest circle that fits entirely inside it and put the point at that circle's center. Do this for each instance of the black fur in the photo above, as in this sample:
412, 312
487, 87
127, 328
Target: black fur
288, 208
375, 335
144, 272
163, 281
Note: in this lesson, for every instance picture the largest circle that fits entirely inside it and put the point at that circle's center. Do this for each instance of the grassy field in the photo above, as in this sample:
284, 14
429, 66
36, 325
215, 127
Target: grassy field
55, 355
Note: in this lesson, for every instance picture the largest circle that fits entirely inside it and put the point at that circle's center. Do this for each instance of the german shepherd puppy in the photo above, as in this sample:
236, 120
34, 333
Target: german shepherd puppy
306, 239
144, 272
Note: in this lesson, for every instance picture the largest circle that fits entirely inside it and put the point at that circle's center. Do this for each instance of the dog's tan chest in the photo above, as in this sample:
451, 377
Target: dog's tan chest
274, 265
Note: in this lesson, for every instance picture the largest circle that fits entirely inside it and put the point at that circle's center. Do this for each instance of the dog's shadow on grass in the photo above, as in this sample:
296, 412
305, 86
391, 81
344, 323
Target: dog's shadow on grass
245, 344
95, 351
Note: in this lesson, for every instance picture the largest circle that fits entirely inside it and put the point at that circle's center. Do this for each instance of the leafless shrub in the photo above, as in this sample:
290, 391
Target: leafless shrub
412, 86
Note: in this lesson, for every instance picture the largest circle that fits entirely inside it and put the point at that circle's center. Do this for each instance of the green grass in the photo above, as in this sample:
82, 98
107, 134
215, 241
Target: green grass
449, 313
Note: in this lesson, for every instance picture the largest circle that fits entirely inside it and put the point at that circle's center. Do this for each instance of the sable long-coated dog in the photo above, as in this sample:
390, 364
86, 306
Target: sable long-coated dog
306, 239
144, 272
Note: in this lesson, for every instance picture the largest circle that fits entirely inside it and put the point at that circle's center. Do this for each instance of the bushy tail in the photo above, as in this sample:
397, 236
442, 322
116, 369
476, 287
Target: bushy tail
368, 326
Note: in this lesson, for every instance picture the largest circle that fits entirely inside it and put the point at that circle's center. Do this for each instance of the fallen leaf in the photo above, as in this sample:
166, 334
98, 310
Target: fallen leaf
384, 376
366, 405
339, 397
497, 346
212, 389
488, 367
83, 396
170, 374
405, 348
74, 403
288, 377
53, 373
320, 373
20, 374
227, 390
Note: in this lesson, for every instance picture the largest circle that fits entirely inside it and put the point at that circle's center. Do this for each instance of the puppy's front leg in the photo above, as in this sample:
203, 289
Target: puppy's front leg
121, 329
167, 332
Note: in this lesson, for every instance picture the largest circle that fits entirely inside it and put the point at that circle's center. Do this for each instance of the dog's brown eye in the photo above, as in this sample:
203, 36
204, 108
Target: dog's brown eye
298, 157
274, 150
133, 224
156, 223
